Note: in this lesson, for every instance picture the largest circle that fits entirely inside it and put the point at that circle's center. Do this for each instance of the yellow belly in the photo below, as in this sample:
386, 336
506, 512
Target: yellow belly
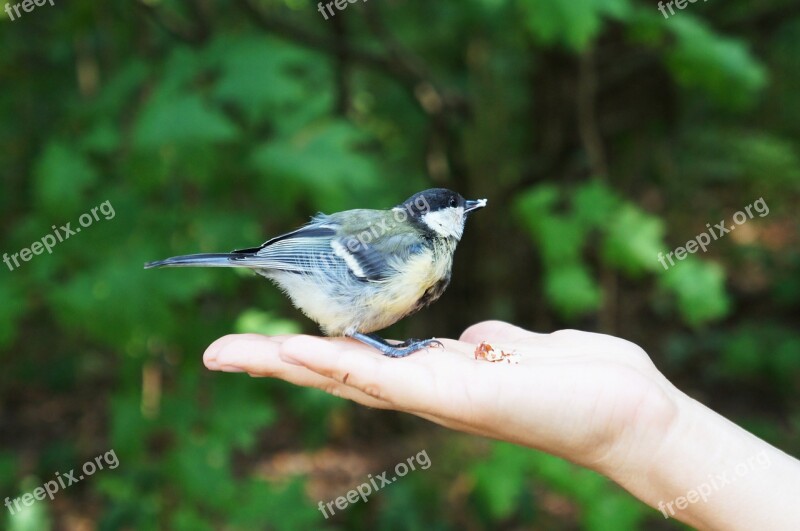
371, 307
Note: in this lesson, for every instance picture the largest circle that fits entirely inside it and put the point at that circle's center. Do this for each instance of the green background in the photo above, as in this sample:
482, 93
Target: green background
601, 132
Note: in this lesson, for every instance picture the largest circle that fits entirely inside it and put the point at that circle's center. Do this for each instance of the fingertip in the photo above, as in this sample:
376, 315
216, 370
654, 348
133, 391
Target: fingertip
213, 350
233, 347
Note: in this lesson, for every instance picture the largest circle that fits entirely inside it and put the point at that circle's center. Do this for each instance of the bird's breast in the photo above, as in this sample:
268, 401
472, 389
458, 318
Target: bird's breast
418, 282
350, 304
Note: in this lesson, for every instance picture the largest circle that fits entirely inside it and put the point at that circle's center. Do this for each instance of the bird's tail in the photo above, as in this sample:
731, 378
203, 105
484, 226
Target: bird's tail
202, 260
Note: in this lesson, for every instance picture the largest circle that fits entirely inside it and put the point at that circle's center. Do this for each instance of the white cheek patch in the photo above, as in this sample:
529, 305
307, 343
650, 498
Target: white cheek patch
348, 258
448, 222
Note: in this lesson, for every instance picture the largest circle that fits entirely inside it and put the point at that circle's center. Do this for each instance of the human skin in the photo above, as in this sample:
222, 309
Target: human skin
593, 399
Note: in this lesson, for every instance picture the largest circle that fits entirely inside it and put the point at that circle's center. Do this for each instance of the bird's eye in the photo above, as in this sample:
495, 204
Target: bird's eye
453, 202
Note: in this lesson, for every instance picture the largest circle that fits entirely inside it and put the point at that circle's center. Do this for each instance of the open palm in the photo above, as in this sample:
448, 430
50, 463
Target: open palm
573, 394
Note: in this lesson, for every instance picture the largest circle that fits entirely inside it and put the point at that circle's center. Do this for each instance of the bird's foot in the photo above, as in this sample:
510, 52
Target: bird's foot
400, 350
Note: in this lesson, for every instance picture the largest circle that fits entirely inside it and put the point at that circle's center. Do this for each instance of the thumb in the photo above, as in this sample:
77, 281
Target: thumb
494, 331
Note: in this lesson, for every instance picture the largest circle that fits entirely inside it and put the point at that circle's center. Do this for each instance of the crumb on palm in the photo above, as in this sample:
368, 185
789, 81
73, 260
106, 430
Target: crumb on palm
486, 352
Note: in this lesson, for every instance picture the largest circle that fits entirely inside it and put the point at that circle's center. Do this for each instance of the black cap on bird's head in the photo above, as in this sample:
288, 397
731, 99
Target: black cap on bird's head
435, 199
441, 210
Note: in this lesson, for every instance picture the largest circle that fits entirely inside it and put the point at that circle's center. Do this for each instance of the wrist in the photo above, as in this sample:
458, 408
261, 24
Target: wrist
708, 472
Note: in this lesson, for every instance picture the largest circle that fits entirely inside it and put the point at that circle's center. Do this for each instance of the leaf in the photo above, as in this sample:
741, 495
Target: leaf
535, 203
102, 138
323, 158
700, 289
501, 491
572, 290
595, 204
253, 321
617, 511
181, 119
239, 412
574, 24
561, 240
283, 505
721, 66
62, 177
633, 241
560, 237
261, 75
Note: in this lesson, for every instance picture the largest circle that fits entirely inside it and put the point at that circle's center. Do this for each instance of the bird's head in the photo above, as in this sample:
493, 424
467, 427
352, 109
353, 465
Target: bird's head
441, 211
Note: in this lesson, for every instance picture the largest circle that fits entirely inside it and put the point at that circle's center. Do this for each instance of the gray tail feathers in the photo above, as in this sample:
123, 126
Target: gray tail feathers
202, 260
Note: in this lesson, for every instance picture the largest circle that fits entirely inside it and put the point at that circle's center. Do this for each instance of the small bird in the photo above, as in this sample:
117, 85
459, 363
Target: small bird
359, 271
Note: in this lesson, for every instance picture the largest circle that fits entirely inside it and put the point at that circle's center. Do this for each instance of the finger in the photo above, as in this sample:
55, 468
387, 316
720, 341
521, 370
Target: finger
494, 331
407, 384
258, 356
213, 350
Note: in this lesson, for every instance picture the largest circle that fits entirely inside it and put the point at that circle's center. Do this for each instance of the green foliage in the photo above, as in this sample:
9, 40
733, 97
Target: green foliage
62, 177
506, 478
699, 288
11, 310
720, 66
181, 119
763, 351
219, 142
254, 321
626, 238
573, 24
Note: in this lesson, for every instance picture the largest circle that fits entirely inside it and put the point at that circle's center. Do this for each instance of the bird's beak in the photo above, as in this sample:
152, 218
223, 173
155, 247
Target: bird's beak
474, 205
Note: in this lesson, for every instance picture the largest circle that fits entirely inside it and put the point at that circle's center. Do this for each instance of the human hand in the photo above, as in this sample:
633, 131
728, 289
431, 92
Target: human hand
594, 399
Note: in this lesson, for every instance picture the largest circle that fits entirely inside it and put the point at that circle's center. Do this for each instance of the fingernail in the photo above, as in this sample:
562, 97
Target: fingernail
212, 365
230, 368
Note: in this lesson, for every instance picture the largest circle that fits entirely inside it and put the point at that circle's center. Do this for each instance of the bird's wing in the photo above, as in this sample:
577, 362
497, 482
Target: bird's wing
374, 243
304, 250
359, 242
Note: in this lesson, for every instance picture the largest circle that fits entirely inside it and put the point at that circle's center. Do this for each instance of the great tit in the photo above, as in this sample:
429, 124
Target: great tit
358, 271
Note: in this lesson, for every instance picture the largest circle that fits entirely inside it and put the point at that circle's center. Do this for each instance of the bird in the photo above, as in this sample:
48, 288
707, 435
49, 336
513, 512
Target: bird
359, 271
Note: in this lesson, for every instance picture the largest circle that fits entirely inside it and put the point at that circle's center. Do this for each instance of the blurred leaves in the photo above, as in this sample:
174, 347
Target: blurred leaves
722, 67
62, 177
574, 24
255, 321
700, 290
321, 157
564, 223
181, 119
11, 310
763, 351
220, 142
604, 506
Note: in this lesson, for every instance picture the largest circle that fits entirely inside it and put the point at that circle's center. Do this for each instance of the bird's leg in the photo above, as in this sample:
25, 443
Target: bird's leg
394, 351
